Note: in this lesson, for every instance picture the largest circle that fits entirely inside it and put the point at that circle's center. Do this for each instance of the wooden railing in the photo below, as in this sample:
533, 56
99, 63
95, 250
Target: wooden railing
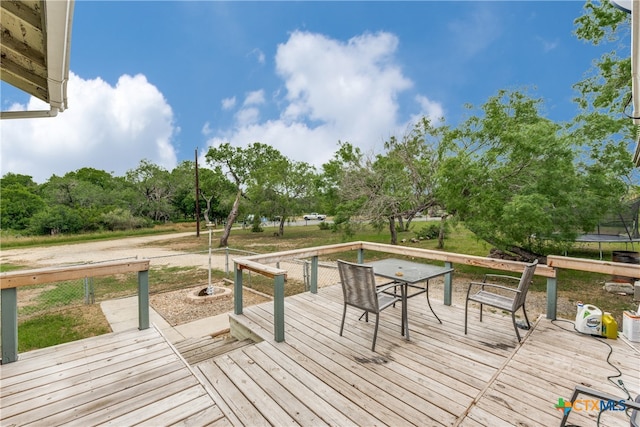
10, 281
257, 263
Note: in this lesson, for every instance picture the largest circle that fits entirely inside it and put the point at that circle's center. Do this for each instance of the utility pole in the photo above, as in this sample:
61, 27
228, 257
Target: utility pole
197, 198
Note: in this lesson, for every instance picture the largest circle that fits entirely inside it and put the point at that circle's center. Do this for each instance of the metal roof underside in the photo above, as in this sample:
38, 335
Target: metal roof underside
35, 45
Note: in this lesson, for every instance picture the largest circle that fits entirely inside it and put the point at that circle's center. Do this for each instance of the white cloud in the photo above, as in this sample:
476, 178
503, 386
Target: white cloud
254, 98
334, 90
247, 116
260, 57
228, 103
206, 129
548, 45
106, 127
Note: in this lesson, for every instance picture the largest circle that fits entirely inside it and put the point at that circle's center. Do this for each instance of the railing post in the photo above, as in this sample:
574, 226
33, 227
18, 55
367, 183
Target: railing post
552, 297
9, 329
143, 299
237, 290
226, 261
278, 308
447, 284
314, 275
360, 256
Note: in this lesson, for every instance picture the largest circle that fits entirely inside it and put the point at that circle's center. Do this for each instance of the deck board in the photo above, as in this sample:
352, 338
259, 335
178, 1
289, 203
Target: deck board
124, 379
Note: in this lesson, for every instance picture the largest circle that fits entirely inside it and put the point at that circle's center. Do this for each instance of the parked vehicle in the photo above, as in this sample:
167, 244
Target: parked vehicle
314, 215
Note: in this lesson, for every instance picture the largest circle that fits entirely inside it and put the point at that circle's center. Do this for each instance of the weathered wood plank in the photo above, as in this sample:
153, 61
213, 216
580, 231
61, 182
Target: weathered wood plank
274, 413
14, 279
234, 399
371, 378
140, 379
329, 388
85, 380
290, 375
280, 395
196, 408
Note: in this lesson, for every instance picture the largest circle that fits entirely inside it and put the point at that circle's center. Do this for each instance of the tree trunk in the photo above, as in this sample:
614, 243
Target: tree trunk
392, 229
408, 223
400, 223
281, 227
224, 239
443, 218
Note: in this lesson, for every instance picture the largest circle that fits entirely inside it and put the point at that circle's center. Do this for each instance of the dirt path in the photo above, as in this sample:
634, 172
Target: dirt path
100, 251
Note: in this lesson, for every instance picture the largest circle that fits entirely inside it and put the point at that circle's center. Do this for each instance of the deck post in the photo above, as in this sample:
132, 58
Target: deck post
278, 308
447, 284
237, 290
314, 275
552, 297
9, 329
143, 300
360, 256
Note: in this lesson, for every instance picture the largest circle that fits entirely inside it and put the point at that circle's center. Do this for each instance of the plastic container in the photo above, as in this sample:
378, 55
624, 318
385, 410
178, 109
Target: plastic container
631, 325
589, 320
609, 326
579, 312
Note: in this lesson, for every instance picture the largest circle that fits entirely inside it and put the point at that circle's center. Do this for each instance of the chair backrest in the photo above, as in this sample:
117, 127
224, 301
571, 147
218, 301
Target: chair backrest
358, 285
523, 286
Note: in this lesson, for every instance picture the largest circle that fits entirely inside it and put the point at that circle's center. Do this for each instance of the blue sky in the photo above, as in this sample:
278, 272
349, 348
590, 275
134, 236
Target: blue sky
155, 80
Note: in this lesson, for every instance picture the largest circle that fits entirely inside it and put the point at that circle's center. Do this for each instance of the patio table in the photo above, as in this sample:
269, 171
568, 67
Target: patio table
410, 275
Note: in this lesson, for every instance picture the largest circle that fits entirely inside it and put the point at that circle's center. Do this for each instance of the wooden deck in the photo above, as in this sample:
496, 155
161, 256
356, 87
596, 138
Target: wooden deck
440, 377
120, 379
316, 377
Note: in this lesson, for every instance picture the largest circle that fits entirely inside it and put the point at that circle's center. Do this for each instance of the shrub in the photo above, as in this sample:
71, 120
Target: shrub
429, 231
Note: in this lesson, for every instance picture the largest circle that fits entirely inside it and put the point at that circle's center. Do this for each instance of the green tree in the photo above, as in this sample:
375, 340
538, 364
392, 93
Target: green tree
19, 201
154, 190
604, 95
241, 166
392, 186
522, 182
281, 188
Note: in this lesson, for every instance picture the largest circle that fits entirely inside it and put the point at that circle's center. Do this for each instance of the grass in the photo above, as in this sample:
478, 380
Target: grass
44, 323
63, 326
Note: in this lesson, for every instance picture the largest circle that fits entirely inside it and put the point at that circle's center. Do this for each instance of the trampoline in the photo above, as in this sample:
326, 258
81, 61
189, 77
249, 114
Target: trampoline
621, 227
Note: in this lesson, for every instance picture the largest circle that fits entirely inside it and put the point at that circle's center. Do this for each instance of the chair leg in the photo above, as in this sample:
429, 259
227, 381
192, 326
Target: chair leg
466, 308
481, 312
513, 319
375, 333
344, 314
525, 317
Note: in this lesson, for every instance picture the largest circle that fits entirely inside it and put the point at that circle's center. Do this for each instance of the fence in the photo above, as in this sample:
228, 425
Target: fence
264, 264
170, 272
10, 282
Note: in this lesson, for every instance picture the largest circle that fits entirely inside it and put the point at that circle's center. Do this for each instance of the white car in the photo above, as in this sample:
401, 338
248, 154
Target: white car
314, 215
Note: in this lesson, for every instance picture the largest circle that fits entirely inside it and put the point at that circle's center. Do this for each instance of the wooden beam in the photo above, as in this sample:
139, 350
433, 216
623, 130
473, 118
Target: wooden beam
40, 276
595, 266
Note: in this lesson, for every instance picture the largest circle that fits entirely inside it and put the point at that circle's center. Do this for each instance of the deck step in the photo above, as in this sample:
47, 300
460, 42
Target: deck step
196, 350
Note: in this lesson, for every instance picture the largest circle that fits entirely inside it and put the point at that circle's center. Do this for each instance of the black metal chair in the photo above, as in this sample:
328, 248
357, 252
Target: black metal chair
360, 291
511, 299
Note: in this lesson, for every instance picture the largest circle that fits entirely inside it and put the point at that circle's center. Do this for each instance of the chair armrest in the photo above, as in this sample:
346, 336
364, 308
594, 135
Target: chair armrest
482, 285
491, 285
501, 276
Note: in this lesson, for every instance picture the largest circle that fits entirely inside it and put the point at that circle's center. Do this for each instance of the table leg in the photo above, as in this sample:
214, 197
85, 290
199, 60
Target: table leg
405, 315
429, 303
